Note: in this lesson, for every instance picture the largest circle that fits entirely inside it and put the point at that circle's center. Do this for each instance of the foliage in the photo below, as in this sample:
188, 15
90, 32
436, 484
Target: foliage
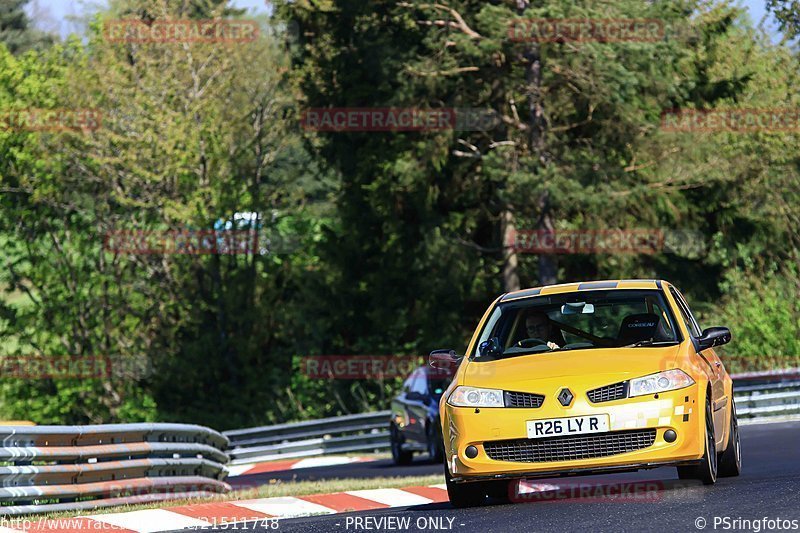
16, 29
374, 242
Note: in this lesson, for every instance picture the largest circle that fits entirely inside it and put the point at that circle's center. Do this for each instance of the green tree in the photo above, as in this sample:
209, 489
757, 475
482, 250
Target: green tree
788, 14
17, 31
191, 134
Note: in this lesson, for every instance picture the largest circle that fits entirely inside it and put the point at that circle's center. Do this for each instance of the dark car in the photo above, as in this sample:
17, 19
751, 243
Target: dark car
414, 424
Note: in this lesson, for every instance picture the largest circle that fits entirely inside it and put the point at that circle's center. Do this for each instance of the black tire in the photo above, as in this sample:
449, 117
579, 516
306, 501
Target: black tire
464, 494
435, 443
730, 461
399, 456
706, 470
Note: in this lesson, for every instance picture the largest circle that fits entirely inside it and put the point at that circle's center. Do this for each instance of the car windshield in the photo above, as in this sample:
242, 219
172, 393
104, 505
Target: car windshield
577, 320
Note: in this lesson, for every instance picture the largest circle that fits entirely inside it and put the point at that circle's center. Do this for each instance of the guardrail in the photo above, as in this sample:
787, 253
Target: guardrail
366, 432
769, 393
757, 394
59, 468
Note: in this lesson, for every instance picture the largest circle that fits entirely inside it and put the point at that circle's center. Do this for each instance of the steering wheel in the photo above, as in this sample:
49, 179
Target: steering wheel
531, 342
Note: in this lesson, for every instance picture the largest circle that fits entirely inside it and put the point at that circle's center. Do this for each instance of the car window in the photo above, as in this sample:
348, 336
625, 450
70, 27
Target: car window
420, 383
694, 321
577, 320
495, 316
407, 382
686, 314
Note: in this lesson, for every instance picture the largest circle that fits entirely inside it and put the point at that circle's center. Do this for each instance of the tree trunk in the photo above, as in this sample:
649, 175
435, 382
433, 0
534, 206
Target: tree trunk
509, 232
548, 264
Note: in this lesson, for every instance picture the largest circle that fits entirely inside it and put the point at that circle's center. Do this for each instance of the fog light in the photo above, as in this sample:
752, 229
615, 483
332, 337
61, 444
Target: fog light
471, 452
670, 435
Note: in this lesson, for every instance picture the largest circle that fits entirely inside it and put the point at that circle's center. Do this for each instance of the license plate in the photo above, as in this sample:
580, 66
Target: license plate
575, 425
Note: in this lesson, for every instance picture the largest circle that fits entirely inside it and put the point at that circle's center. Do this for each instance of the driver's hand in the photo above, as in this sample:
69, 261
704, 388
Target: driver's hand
552, 345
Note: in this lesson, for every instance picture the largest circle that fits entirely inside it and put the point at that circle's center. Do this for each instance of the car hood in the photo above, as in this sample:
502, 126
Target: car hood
604, 364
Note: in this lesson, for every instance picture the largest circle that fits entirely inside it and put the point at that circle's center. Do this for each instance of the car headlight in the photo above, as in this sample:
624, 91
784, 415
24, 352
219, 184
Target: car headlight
475, 397
661, 382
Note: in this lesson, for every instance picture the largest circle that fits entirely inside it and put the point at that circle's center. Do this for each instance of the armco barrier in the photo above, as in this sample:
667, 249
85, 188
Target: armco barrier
768, 393
58, 468
757, 395
342, 434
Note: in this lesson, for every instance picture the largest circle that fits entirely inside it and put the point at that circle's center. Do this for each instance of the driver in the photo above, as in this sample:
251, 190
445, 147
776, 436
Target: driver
539, 326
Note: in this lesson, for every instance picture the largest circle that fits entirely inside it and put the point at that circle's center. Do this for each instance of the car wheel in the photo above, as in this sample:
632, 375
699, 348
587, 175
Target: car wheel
464, 494
435, 444
730, 462
399, 456
706, 471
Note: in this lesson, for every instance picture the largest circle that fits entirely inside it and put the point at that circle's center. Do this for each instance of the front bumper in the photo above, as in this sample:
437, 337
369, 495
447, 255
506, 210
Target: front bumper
676, 410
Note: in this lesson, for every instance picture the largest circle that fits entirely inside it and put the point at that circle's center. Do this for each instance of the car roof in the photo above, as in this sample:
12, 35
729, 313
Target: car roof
584, 286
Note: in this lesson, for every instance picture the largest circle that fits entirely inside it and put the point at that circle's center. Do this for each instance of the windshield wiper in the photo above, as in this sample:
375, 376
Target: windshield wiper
649, 342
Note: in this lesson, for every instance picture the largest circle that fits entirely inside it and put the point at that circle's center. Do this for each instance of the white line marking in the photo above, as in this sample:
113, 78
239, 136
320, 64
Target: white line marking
238, 470
148, 520
286, 507
391, 497
313, 462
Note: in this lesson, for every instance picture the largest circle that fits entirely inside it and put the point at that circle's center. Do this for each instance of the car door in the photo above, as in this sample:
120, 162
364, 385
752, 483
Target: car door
720, 401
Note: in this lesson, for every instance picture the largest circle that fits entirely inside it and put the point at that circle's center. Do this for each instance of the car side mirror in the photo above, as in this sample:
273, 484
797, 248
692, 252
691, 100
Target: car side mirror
443, 359
716, 336
490, 347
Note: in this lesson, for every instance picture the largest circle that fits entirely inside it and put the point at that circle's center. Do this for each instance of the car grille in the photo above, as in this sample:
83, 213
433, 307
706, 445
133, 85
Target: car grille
570, 448
608, 393
522, 399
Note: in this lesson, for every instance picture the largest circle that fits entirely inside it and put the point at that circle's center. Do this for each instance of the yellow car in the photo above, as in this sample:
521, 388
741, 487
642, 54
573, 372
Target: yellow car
582, 378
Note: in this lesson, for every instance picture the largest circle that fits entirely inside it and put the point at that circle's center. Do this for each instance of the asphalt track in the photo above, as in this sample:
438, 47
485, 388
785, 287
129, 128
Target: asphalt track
769, 488
421, 466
